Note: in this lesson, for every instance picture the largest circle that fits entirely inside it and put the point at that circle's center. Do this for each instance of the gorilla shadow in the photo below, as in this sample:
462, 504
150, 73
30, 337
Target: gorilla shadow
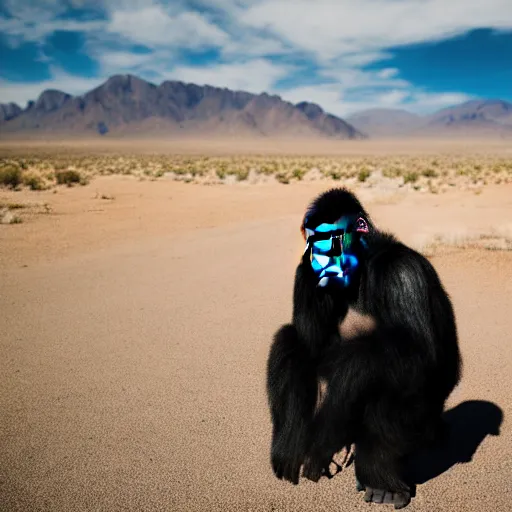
466, 426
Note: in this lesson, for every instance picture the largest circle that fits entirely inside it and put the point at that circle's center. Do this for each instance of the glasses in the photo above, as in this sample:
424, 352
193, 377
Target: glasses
336, 241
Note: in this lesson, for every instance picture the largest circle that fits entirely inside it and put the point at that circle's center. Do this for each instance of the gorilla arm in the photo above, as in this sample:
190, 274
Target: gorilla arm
292, 390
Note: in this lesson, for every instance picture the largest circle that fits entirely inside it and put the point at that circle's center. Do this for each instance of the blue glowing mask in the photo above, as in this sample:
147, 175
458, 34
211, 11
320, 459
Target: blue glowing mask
335, 248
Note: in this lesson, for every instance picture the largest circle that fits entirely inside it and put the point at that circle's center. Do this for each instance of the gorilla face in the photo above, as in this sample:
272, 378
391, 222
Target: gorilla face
335, 249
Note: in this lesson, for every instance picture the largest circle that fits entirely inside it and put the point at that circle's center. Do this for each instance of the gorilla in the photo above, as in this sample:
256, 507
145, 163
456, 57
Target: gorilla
385, 379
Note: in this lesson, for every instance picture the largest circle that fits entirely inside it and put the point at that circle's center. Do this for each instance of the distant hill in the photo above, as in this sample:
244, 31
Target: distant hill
485, 116
9, 111
125, 104
378, 122
491, 118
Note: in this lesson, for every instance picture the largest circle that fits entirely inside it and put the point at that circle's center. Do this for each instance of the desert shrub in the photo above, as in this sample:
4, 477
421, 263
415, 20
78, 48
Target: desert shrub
68, 177
429, 173
59, 166
33, 181
363, 175
282, 177
411, 177
298, 174
84, 179
335, 175
16, 206
10, 176
242, 174
391, 172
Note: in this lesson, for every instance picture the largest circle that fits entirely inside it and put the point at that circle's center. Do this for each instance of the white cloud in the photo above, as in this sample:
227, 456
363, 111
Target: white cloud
434, 101
29, 11
18, 31
328, 96
31, 21
388, 73
254, 76
253, 45
330, 28
352, 78
362, 58
393, 98
153, 25
113, 62
343, 36
154, 65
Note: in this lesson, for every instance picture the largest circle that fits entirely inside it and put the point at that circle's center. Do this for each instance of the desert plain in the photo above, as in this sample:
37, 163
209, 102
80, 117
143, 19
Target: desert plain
138, 305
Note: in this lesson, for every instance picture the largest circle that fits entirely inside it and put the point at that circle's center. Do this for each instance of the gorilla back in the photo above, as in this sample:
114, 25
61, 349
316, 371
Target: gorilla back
386, 385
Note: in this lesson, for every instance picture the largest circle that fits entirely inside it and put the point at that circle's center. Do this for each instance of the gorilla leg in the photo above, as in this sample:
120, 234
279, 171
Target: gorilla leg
369, 402
394, 427
292, 393
378, 469
349, 379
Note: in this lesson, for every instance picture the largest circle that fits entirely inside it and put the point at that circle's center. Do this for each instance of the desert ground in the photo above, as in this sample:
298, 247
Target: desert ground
137, 312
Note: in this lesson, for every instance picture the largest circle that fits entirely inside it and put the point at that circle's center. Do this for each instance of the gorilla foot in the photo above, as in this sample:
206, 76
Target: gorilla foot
398, 499
314, 471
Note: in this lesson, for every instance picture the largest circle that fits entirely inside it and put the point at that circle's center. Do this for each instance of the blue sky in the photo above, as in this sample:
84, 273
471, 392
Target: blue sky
346, 55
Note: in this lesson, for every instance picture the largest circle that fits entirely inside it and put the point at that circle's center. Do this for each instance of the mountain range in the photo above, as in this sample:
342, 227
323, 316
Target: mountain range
127, 105
491, 118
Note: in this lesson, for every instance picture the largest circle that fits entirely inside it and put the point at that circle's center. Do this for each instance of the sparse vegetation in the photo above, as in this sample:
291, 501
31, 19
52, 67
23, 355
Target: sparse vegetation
282, 177
10, 176
33, 181
242, 175
495, 240
429, 173
14, 212
13, 206
298, 174
363, 175
411, 177
68, 177
423, 173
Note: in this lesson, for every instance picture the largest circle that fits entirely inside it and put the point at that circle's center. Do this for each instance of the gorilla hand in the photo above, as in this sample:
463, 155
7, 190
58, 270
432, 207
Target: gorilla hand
287, 458
398, 499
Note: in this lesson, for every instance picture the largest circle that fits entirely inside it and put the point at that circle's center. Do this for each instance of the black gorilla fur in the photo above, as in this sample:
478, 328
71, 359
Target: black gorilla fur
386, 389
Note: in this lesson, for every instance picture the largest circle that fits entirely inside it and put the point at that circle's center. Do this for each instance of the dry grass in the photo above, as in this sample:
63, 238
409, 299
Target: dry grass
494, 240
16, 213
44, 167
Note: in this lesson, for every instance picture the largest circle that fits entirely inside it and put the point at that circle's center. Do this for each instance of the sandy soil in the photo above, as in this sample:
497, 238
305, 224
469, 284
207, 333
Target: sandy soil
135, 330
259, 146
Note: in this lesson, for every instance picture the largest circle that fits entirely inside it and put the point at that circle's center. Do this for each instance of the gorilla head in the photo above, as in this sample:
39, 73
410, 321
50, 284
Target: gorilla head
335, 229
